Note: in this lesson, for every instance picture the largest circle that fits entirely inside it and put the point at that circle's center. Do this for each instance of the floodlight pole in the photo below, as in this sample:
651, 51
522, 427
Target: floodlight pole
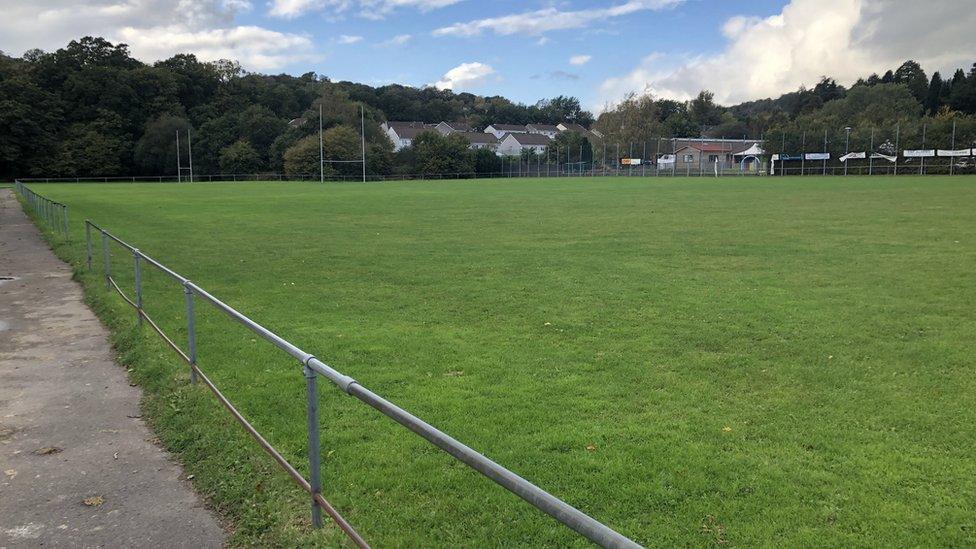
897, 136
630, 169
657, 158
321, 150
179, 167
847, 148
921, 164
952, 147
644, 160
825, 150
803, 153
871, 155
362, 131
782, 164
189, 148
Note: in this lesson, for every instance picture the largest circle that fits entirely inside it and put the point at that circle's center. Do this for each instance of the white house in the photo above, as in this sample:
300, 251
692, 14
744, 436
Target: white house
480, 140
514, 143
401, 134
499, 130
447, 128
547, 130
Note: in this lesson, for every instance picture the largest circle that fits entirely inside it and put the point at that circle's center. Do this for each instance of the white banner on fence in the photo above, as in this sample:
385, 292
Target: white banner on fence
853, 156
887, 157
919, 153
666, 159
959, 152
818, 156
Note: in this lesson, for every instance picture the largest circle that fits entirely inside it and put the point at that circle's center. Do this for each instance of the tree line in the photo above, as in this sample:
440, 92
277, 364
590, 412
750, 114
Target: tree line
91, 109
903, 105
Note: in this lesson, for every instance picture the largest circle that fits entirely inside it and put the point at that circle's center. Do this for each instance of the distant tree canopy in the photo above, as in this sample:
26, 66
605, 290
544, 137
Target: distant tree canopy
898, 104
90, 109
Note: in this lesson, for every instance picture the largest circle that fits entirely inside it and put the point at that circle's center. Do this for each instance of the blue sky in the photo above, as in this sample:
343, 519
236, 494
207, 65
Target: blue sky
527, 66
597, 50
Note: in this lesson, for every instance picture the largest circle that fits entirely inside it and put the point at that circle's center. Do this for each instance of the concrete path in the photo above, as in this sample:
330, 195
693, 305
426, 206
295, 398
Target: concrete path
78, 468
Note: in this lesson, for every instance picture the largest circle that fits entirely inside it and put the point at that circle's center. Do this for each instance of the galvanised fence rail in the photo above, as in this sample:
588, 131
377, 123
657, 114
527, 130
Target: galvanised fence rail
312, 367
534, 170
54, 214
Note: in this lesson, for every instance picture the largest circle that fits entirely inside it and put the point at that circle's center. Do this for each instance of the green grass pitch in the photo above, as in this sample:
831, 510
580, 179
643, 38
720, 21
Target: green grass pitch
751, 361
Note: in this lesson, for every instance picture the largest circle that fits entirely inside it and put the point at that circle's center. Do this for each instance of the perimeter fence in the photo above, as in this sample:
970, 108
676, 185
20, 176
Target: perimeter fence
54, 214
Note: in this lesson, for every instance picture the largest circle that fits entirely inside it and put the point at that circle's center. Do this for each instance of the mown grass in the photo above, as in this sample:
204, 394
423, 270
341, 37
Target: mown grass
746, 361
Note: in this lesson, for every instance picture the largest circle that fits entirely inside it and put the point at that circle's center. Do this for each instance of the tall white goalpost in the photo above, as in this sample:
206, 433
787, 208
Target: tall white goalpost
179, 160
362, 139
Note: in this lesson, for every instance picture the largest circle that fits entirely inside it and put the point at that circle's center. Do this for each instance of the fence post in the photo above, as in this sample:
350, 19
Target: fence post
67, 236
191, 331
314, 449
137, 258
106, 261
88, 245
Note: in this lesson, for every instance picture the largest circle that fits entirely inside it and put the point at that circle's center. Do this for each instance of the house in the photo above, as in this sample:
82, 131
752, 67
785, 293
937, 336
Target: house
514, 143
576, 128
694, 154
401, 134
480, 140
548, 130
447, 128
499, 130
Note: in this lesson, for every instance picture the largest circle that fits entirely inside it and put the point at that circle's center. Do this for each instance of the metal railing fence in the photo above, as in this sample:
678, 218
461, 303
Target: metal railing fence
312, 367
533, 170
54, 214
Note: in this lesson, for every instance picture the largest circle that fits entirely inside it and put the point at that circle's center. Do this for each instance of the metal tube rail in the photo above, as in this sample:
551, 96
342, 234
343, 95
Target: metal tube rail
54, 214
537, 497
280, 459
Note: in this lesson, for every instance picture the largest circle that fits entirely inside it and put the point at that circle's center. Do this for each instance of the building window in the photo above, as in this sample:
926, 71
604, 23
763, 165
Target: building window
712, 158
688, 158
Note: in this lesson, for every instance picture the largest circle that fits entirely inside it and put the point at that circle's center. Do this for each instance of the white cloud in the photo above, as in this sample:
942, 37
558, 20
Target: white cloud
255, 47
580, 59
154, 29
289, 9
465, 76
397, 40
538, 22
370, 9
346, 39
843, 39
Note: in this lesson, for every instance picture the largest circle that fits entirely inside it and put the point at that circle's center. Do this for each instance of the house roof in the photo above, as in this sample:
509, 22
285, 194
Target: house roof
508, 127
405, 124
458, 126
479, 138
574, 127
543, 127
711, 147
530, 138
409, 132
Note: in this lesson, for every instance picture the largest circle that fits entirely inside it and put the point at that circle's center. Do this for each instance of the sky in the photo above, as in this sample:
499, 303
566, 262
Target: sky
597, 50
